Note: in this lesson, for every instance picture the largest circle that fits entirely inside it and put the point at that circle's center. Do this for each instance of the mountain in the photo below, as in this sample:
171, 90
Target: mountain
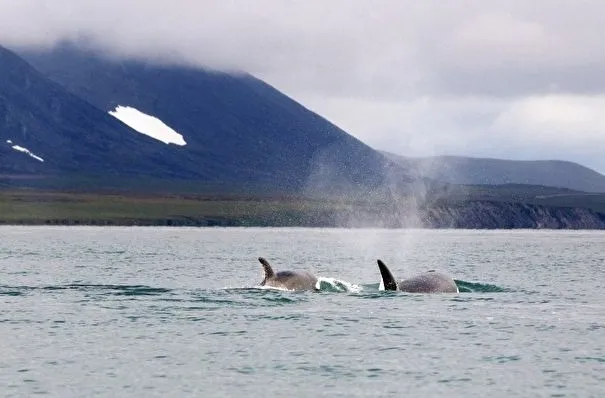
48, 133
80, 121
235, 127
483, 171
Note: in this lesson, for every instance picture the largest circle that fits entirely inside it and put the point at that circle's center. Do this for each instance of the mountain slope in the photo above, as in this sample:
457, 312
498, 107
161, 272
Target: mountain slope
48, 131
236, 127
483, 171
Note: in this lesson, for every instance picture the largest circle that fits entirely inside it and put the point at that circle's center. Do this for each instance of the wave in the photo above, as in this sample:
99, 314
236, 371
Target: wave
324, 284
333, 285
478, 287
118, 290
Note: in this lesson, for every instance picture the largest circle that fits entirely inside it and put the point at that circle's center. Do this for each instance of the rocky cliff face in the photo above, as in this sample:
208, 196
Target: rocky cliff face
496, 215
476, 214
469, 215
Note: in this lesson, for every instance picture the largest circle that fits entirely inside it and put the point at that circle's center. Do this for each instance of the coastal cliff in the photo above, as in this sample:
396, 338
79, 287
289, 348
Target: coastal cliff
504, 215
45, 208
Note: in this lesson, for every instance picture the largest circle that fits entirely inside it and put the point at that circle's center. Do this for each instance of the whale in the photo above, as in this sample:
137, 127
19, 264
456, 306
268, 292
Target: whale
290, 280
426, 282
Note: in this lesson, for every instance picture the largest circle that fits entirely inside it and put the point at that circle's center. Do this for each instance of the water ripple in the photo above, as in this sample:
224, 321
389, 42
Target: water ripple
141, 312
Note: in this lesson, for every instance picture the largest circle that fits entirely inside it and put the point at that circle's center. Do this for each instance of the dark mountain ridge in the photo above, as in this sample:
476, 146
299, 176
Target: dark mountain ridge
237, 128
68, 133
242, 136
486, 171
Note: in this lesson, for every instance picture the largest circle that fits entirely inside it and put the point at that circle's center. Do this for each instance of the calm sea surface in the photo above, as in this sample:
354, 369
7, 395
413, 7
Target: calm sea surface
144, 312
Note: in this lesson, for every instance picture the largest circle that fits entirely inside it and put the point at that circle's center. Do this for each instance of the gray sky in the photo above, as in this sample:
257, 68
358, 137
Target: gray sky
517, 79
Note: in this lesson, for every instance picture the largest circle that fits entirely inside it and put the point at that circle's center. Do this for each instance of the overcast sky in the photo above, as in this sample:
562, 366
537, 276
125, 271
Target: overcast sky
494, 78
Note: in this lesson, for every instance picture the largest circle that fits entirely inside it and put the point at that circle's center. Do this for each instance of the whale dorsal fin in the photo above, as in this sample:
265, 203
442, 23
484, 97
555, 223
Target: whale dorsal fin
387, 278
267, 268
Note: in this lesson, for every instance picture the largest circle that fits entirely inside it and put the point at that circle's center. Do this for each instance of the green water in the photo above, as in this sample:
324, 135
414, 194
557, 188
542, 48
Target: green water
144, 312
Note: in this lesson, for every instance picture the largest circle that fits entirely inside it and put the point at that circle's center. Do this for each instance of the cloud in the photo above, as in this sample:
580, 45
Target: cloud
467, 77
567, 127
384, 48
572, 127
554, 117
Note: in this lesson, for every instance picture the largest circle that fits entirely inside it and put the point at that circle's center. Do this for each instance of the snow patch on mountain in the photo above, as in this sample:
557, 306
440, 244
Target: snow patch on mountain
24, 150
148, 125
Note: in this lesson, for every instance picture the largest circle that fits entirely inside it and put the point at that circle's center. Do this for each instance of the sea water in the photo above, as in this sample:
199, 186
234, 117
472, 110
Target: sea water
143, 312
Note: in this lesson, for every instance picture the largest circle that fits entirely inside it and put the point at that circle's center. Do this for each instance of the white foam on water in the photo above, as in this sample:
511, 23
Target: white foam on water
148, 125
337, 285
381, 285
282, 289
323, 283
255, 287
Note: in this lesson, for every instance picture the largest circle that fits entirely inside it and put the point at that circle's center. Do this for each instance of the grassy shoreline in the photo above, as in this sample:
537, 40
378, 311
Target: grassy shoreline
51, 207
34, 207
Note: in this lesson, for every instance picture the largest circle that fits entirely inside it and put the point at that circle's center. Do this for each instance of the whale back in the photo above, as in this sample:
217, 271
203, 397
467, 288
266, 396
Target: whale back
294, 280
291, 280
427, 282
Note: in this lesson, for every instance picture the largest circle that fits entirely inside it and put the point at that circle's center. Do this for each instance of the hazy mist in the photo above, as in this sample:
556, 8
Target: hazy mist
492, 78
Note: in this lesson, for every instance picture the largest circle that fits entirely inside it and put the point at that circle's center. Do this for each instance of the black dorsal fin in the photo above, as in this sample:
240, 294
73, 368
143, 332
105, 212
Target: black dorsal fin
387, 278
267, 268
